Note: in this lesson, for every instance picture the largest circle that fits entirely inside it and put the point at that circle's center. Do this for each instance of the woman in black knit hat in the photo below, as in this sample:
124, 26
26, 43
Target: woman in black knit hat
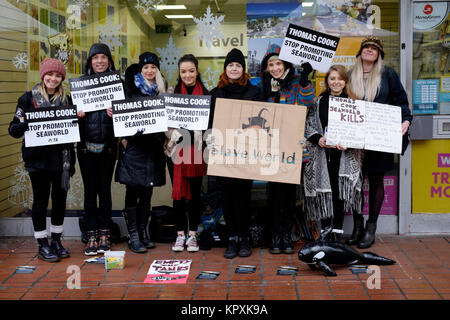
234, 83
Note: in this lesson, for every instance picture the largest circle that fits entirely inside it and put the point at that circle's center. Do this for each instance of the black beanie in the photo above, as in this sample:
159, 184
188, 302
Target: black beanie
235, 55
148, 57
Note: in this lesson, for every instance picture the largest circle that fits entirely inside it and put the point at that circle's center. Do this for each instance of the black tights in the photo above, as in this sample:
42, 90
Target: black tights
376, 195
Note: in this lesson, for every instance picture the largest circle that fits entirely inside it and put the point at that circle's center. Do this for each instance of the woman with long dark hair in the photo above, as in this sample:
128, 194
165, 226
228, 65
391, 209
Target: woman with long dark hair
187, 177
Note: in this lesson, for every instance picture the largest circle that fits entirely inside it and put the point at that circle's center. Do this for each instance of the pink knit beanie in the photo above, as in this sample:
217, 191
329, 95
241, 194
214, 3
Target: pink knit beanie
50, 65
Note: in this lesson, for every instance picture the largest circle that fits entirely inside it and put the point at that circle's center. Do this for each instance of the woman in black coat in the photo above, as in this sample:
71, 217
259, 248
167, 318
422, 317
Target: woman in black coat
142, 162
234, 83
371, 80
97, 153
49, 167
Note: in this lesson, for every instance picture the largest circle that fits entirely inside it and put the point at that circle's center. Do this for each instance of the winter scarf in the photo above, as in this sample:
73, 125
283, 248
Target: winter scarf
142, 85
182, 171
319, 203
40, 102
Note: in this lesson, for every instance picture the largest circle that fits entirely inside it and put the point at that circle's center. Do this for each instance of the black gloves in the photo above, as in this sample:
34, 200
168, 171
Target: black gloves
306, 70
17, 129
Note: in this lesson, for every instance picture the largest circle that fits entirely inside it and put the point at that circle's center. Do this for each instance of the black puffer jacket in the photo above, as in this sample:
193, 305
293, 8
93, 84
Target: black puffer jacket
97, 126
142, 163
48, 158
233, 91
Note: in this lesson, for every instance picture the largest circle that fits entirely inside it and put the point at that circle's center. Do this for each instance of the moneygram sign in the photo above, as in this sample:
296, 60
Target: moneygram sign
428, 15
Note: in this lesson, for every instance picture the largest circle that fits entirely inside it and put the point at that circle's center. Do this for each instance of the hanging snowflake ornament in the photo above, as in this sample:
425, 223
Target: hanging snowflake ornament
19, 192
82, 4
63, 55
75, 194
20, 61
169, 58
209, 27
109, 34
210, 78
148, 5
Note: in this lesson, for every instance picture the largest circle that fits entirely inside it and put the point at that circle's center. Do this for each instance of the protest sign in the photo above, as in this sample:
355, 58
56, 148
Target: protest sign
49, 126
96, 92
257, 140
305, 45
187, 111
364, 125
145, 114
168, 271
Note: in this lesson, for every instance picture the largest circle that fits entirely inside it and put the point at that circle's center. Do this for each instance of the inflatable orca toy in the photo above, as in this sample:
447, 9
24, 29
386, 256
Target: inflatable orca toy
321, 253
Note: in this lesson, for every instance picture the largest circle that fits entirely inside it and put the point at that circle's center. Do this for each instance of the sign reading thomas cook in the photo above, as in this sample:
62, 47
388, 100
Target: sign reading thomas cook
257, 140
305, 45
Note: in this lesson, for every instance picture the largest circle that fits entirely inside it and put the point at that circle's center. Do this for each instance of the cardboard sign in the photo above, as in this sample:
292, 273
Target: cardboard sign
306, 45
132, 115
187, 111
364, 125
168, 271
96, 92
49, 126
257, 140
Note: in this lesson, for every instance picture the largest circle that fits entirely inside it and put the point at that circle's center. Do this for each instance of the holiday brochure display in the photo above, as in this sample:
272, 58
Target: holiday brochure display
306, 45
96, 92
190, 112
145, 114
50, 126
364, 125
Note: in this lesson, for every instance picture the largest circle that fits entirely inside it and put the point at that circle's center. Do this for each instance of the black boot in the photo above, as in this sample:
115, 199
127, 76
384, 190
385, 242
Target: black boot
275, 247
358, 230
58, 247
144, 237
104, 243
134, 243
287, 246
45, 252
245, 250
369, 236
231, 251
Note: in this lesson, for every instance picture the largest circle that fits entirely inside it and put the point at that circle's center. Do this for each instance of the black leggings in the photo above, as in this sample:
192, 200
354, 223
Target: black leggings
376, 195
333, 163
193, 207
282, 197
97, 171
139, 197
41, 183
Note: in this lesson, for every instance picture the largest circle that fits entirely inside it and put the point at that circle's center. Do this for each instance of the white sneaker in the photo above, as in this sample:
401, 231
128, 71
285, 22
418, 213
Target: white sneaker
191, 244
179, 243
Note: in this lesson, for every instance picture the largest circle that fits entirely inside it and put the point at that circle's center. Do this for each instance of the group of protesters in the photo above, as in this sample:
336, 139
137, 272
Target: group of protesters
332, 174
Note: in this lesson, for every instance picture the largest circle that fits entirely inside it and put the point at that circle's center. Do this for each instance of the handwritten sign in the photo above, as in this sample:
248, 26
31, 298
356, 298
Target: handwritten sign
306, 45
345, 119
168, 271
96, 92
187, 111
140, 114
50, 126
364, 125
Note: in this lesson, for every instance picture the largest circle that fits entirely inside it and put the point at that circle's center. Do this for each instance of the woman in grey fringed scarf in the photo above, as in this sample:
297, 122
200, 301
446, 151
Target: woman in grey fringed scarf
333, 178
50, 166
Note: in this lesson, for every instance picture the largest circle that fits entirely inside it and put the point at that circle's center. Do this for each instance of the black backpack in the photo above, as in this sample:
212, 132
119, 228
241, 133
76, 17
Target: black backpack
162, 226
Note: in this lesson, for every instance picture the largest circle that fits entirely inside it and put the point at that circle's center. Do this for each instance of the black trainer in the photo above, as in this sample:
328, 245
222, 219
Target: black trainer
91, 247
103, 242
245, 250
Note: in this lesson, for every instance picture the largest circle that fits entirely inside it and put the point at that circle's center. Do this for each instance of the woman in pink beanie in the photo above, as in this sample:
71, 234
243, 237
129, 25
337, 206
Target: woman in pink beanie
49, 166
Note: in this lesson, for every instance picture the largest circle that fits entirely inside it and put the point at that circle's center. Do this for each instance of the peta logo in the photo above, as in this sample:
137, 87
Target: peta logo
428, 9
443, 160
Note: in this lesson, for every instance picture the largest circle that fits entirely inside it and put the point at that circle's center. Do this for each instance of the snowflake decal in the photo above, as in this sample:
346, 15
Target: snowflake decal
20, 192
208, 27
63, 55
169, 57
109, 34
82, 5
148, 5
20, 61
210, 78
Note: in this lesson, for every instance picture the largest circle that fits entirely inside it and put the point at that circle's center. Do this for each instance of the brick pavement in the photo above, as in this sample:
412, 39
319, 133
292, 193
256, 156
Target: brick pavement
421, 273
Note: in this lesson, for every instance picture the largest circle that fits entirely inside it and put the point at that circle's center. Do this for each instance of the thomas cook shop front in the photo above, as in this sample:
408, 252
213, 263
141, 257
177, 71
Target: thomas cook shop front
416, 36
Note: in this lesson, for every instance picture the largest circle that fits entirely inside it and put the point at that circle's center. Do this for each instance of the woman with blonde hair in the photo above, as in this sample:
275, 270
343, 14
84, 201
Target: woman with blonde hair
333, 178
50, 167
371, 80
